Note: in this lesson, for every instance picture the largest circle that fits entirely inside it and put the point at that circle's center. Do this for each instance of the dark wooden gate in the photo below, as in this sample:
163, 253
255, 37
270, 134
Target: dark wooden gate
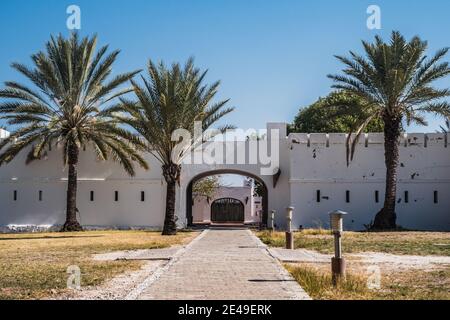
227, 210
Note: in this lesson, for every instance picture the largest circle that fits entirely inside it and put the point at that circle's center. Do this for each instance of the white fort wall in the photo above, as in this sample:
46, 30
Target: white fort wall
318, 164
308, 163
103, 178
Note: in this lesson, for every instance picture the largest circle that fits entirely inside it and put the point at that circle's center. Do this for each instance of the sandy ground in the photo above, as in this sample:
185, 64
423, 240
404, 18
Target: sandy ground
385, 260
145, 254
117, 288
396, 262
120, 286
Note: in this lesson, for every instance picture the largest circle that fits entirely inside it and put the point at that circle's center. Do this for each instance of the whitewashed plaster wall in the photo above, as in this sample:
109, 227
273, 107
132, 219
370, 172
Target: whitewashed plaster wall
103, 178
202, 206
307, 163
318, 162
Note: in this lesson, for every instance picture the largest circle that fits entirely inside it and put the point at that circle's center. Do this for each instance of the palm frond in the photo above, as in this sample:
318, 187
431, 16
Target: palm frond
394, 80
168, 99
68, 104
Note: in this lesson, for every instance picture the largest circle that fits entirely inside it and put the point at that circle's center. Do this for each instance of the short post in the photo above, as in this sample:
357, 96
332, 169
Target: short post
338, 261
289, 234
272, 220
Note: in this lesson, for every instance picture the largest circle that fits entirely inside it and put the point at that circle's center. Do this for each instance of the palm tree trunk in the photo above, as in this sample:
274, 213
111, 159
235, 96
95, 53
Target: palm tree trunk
171, 173
386, 218
72, 223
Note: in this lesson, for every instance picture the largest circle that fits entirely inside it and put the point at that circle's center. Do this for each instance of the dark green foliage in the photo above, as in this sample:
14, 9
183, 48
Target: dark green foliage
338, 112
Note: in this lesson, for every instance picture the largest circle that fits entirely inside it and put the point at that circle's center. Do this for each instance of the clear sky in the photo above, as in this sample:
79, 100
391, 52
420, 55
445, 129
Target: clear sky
271, 56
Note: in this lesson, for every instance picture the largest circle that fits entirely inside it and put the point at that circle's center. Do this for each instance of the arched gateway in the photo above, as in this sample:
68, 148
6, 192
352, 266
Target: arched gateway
268, 164
189, 196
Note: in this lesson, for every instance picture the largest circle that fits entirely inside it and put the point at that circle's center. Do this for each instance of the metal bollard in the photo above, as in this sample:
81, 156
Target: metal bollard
289, 234
272, 220
338, 261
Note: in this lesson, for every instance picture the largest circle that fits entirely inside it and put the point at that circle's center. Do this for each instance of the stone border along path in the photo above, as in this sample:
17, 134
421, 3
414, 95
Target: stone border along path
228, 264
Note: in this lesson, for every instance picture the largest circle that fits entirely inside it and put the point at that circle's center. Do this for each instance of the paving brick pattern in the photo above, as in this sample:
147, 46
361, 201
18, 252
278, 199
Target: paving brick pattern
228, 265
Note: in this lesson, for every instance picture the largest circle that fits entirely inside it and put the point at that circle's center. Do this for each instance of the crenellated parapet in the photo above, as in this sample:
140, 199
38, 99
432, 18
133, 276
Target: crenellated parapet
424, 140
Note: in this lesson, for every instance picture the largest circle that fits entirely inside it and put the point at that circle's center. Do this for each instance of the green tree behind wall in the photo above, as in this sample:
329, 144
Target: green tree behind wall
206, 187
338, 112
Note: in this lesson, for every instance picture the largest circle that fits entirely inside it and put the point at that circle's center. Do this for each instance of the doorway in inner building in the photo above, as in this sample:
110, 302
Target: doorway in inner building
227, 210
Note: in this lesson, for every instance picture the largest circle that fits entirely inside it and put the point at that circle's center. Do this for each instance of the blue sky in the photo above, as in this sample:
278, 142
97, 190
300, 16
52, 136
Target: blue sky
271, 56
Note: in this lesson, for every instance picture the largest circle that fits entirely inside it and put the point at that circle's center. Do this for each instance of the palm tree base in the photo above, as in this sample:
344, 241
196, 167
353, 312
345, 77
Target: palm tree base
169, 232
384, 220
71, 226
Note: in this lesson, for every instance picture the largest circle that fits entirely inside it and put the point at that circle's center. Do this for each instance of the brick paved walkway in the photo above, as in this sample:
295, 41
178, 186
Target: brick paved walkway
223, 264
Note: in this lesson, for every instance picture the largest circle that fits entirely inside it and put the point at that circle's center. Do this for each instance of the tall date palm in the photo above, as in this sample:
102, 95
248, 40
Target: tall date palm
395, 81
65, 110
172, 99
446, 129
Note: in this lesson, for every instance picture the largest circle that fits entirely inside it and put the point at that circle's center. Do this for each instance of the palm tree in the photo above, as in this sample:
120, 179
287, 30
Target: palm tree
170, 99
446, 129
395, 82
64, 110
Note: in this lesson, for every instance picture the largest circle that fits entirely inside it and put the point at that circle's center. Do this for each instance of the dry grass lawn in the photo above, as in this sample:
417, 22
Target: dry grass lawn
395, 285
33, 266
406, 243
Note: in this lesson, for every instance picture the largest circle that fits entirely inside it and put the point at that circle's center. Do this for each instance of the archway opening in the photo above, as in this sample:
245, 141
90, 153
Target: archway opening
253, 195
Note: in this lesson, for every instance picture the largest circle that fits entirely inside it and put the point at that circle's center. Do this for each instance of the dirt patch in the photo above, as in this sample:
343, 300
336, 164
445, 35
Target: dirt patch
117, 288
385, 260
395, 262
145, 254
